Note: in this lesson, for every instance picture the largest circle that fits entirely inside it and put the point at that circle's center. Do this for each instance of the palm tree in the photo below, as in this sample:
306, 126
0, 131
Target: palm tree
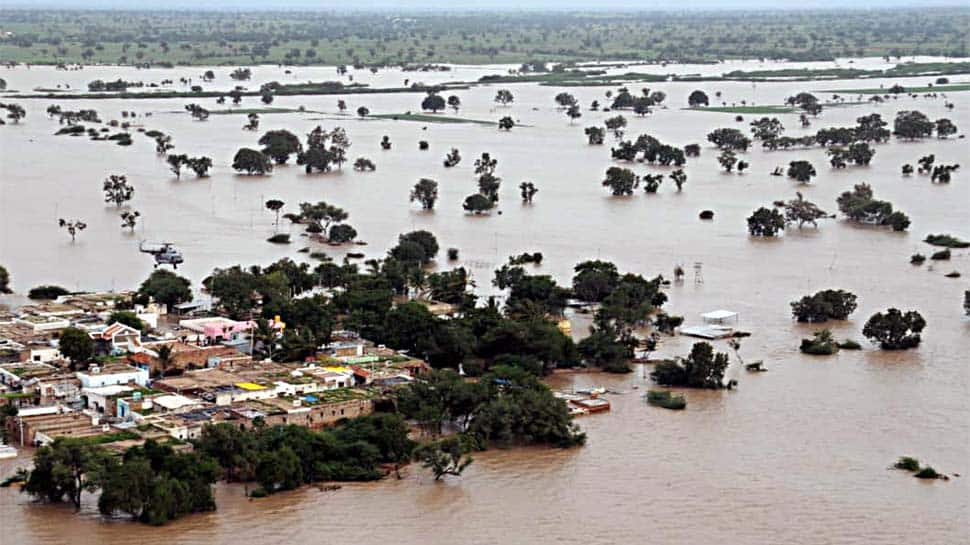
164, 357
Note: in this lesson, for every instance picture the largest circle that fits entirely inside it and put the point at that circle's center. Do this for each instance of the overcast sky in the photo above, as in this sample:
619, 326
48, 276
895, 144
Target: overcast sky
409, 5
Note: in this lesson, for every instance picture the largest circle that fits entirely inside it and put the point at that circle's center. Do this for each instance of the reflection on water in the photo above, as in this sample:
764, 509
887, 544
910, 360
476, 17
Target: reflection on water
795, 455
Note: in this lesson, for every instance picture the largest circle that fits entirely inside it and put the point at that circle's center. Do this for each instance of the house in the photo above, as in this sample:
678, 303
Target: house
218, 329
117, 338
110, 374
102, 399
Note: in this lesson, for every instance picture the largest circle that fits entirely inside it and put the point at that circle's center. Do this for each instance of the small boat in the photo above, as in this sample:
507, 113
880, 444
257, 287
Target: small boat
577, 411
6, 451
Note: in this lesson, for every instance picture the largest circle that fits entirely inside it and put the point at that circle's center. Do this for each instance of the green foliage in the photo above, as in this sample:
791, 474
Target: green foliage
907, 463
895, 330
66, 468
4, 281
279, 145
251, 162
667, 400
620, 181
702, 368
443, 457
594, 280
860, 205
824, 305
946, 241
127, 318
821, 344
76, 345
765, 222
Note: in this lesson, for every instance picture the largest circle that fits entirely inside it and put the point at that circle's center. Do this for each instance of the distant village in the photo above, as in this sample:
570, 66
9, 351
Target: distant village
188, 368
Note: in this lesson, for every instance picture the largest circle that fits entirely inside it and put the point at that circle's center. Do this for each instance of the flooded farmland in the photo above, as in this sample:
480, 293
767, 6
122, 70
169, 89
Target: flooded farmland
795, 455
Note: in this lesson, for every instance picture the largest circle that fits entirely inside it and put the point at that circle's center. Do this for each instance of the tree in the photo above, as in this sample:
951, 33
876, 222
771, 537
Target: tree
433, 102
912, 125
574, 113
425, 192
252, 123
319, 216
251, 162
595, 135
129, 219
424, 239
651, 182
822, 343
506, 123
341, 105
341, 233
363, 111
452, 158
594, 280
127, 318
767, 129
702, 368
117, 190
73, 227
802, 211
4, 281
679, 178
166, 288
727, 159
76, 345
279, 145
801, 171
15, 112
477, 203
198, 112
454, 102
175, 163
275, 205
444, 457
267, 98
504, 97
199, 165
528, 191
765, 223
697, 98
67, 467
363, 164
729, 139
895, 330
945, 127
861, 205
823, 306
621, 181
616, 124
565, 100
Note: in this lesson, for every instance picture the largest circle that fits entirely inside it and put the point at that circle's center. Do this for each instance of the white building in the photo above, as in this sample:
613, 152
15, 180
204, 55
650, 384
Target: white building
96, 377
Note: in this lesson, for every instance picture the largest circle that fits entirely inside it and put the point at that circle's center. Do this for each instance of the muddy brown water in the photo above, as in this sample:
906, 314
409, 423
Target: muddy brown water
795, 455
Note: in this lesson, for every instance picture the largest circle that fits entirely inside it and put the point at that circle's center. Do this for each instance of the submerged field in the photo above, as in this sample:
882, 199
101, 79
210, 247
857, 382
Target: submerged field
798, 453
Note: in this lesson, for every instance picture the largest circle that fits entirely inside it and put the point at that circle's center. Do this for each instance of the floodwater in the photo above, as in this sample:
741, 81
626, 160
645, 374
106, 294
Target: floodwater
796, 455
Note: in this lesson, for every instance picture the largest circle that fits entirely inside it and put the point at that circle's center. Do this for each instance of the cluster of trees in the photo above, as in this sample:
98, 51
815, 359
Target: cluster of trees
200, 165
860, 205
151, 483
824, 305
488, 186
652, 150
286, 457
704, 367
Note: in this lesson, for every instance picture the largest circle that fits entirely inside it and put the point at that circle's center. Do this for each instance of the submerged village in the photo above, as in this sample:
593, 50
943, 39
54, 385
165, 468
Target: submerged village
545, 277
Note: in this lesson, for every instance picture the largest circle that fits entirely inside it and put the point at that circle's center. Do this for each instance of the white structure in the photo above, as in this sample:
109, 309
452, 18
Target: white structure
95, 377
40, 324
45, 354
98, 398
720, 316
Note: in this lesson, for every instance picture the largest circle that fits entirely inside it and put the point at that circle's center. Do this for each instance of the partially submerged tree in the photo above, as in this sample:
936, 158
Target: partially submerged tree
620, 181
895, 330
251, 162
528, 191
765, 222
129, 219
824, 305
73, 227
801, 171
117, 190
425, 192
